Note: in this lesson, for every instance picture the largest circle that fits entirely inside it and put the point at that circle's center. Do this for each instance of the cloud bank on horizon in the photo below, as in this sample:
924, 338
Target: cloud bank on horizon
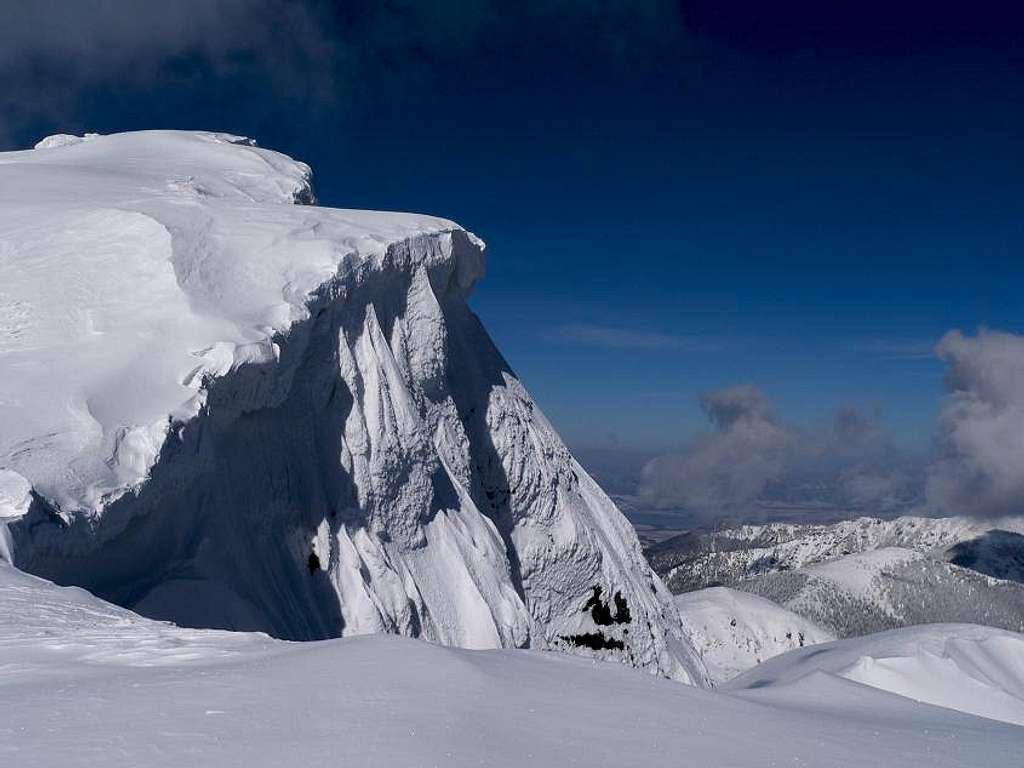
751, 458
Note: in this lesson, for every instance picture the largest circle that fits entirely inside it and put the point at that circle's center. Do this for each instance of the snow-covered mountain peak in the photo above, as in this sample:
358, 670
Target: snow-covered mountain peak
134, 265
238, 410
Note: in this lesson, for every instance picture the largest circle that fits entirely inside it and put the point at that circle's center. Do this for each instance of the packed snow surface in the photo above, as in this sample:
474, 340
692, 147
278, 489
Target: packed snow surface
960, 666
84, 683
226, 406
735, 631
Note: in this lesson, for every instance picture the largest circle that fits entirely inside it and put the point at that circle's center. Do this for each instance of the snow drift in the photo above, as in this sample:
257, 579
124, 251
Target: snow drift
965, 667
85, 683
227, 407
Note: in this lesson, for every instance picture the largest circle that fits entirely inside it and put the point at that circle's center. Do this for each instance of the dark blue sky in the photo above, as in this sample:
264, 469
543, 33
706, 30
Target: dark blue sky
676, 197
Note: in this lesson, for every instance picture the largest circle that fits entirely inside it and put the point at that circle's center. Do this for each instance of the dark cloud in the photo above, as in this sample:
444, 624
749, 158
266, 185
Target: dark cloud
981, 427
288, 56
751, 459
743, 402
54, 55
100, 36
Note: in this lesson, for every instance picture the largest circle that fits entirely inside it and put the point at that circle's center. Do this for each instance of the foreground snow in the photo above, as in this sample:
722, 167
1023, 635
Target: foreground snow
961, 666
736, 631
225, 406
83, 683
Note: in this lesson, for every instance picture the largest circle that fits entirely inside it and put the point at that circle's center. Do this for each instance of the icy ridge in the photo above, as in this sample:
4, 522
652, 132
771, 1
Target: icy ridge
286, 418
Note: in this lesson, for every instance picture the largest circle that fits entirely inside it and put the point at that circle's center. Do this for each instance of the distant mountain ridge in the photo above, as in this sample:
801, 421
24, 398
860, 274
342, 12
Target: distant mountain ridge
865, 575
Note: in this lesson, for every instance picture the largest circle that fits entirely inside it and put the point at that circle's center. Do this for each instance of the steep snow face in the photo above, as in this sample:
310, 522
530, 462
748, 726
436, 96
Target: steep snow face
972, 669
735, 631
238, 412
84, 683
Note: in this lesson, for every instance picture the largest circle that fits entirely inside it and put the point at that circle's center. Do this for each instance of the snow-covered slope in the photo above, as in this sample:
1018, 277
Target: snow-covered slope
736, 631
865, 575
891, 587
237, 410
960, 666
83, 683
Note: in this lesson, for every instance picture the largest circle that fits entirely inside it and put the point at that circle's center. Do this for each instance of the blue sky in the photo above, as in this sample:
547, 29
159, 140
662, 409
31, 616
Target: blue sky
676, 197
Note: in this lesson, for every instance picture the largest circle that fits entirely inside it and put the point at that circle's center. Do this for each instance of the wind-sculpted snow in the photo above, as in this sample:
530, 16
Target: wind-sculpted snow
84, 683
237, 411
972, 669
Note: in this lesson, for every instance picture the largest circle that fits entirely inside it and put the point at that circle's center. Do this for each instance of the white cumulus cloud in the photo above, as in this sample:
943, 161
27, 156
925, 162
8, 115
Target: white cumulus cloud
981, 427
752, 457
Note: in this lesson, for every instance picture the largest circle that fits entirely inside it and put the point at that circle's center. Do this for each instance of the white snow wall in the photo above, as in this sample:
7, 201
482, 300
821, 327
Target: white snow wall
389, 473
